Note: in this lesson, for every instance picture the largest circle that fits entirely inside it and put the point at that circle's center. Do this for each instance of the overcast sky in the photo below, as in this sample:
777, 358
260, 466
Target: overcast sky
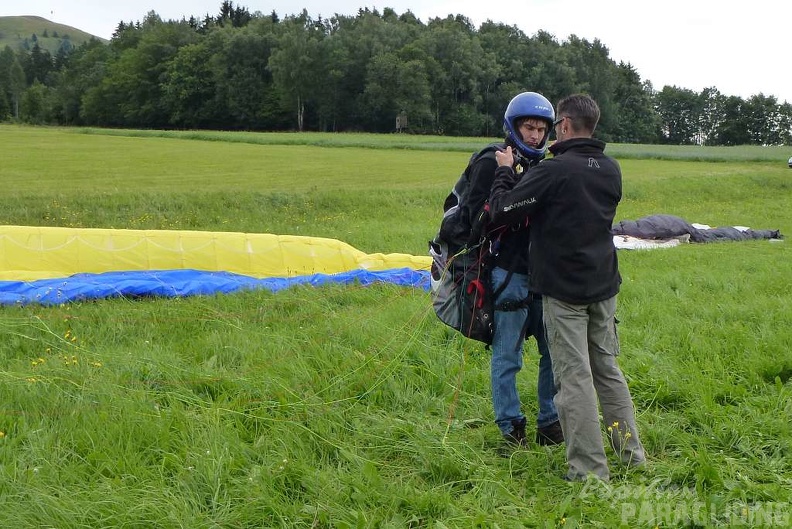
740, 49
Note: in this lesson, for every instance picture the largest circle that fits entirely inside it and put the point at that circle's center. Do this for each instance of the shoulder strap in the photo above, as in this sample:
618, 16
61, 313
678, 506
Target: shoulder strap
489, 150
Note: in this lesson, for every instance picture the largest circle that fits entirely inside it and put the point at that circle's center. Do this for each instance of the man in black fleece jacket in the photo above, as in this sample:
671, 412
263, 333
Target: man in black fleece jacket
571, 202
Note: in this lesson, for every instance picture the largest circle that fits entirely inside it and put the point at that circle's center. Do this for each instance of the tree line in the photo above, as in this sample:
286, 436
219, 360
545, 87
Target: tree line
249, 71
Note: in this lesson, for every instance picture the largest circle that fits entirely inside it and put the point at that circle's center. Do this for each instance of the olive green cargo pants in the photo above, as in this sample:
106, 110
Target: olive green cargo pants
583, 347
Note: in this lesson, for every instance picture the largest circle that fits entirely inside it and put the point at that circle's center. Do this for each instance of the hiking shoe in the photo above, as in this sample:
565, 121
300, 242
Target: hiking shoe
517, 436
550, 435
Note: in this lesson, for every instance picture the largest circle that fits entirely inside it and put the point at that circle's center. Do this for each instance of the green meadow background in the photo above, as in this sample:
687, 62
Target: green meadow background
350, 406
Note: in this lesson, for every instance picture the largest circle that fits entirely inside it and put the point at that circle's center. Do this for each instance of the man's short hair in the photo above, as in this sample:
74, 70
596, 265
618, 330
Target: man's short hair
519, 121
582, 110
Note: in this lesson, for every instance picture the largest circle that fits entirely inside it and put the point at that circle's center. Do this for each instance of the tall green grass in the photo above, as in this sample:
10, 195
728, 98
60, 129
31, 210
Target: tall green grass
348, 406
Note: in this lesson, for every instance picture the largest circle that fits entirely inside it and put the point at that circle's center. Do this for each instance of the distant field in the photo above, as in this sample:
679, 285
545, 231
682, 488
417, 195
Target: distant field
349, 406
743, 153
298, 183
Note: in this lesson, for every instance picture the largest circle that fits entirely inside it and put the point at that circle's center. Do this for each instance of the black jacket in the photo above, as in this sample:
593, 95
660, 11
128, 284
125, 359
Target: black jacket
511, 252
571, 200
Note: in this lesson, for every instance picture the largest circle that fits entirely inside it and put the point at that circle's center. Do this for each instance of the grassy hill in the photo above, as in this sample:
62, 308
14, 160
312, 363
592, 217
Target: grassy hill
19, 31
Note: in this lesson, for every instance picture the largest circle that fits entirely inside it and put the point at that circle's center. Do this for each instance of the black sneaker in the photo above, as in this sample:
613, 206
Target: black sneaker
550, 435
517, 436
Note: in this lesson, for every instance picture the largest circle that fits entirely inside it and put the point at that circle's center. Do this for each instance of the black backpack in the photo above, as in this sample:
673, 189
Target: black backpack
460, 284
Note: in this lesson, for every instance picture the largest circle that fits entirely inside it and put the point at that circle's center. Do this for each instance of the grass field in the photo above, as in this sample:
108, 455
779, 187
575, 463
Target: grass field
353, 406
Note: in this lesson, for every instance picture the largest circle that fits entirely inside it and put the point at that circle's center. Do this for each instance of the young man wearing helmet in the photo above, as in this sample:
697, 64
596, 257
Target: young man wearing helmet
572, 199
527, 123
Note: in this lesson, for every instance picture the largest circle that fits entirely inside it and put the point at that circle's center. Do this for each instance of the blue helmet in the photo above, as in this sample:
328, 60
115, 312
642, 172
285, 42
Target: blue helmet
528, 105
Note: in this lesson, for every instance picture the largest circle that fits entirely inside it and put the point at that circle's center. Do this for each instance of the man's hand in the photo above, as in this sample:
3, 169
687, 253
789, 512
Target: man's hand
505, 158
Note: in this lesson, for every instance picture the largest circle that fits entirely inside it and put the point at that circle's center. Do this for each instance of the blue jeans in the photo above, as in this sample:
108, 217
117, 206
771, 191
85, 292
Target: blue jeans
507, 354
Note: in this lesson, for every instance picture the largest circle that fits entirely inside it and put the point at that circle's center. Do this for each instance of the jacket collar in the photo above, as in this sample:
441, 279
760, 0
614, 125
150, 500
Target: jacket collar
561, 147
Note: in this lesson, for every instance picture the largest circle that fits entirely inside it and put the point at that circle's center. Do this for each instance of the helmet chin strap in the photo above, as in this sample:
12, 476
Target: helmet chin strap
516, 148
515, 145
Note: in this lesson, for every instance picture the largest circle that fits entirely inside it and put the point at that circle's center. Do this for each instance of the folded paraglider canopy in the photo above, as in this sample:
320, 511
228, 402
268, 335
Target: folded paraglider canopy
54, 265
669, 226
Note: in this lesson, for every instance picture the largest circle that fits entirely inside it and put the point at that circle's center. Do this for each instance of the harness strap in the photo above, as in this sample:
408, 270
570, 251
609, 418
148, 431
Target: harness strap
477, 286
512, 305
